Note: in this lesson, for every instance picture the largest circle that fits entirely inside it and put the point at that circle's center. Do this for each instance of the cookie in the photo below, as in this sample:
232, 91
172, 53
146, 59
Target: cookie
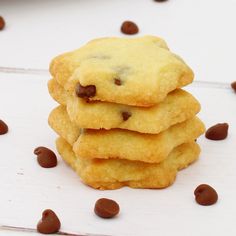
114, 173
63, 66
61, 124
177, 107
138, 71
57, 92
124, 144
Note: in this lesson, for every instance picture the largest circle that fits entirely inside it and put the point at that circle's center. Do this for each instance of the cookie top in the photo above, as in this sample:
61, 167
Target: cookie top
138, 71
177, 107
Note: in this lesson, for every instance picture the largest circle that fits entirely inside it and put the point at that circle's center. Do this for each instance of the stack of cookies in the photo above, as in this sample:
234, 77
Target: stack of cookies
123, 119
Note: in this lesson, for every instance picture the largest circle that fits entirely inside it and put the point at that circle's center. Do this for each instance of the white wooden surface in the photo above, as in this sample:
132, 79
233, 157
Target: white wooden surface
202, 32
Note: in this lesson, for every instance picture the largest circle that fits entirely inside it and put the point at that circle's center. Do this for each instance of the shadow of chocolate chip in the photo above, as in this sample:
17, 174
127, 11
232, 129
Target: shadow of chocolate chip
49, 223
85, 91
46, 157
126, 115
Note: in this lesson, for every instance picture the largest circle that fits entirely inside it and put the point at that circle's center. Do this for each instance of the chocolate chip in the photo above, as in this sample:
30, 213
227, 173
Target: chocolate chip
126, 115
217, 132
117, 82
2, 23
49, 223
46, 157
3, 127
106, 208
205, 195
129, 27
233, 85
85, 91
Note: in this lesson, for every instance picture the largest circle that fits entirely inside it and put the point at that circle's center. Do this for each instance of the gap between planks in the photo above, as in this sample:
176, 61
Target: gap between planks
30, 230
44, 72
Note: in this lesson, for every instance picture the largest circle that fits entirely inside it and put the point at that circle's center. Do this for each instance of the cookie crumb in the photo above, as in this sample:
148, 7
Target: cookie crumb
129, 27
106, 208
46, 157
205, 195
217, 132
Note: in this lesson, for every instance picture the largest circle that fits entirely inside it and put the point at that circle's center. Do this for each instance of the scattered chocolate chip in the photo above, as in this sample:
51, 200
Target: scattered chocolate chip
85, 91
126, 115
233, 85
106, 208
49, 223
217, 132
129, 27
117, 82
2, 23
205, 195
46, 157
3, 127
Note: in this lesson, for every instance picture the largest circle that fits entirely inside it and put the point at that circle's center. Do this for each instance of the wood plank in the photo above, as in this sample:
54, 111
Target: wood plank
27, 189
36, 31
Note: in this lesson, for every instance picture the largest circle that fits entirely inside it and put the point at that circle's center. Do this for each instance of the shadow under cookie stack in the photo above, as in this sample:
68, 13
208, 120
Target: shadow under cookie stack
123, 119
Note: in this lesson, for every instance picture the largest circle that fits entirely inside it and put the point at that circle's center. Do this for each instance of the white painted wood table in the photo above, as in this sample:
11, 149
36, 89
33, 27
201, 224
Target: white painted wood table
202, 32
